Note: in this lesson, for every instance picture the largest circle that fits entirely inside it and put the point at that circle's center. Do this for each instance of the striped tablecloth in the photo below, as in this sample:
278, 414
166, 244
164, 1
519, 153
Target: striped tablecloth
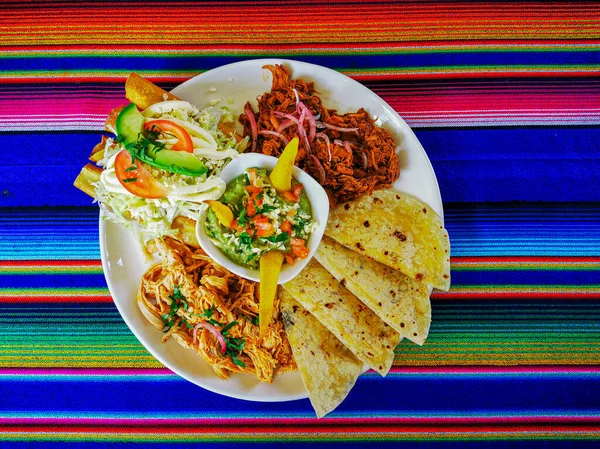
504, 97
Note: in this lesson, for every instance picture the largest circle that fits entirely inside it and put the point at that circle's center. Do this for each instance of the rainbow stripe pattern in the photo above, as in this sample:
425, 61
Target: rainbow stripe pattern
505, 98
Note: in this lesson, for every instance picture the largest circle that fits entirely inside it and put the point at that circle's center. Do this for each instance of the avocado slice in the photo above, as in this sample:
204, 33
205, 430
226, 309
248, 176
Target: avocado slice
180, 162
129, 123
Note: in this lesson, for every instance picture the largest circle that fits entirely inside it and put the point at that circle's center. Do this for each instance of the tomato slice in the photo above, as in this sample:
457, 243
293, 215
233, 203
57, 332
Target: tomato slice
136, 179
184, 140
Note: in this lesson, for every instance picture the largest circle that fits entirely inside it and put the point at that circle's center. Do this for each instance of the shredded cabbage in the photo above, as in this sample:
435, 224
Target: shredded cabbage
152, 218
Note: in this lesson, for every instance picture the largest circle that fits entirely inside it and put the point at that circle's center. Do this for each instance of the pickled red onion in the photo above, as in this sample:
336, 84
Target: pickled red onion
213, 330
276, 134
253, 127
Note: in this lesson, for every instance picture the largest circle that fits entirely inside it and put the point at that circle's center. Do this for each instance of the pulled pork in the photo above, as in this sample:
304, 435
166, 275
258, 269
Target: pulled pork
346, 153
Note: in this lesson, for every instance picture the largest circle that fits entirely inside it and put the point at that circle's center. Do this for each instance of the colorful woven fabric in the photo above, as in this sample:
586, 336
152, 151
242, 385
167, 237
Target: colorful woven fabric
504, 97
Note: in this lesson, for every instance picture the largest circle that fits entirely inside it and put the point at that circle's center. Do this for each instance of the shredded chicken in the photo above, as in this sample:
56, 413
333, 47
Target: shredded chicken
348, 164
207, 286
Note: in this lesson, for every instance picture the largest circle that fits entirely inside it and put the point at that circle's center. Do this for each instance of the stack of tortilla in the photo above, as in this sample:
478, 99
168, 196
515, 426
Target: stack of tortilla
367, 287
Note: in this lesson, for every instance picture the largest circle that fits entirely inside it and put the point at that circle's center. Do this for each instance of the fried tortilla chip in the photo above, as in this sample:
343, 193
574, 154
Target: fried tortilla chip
397, 230
144, 93
328, 369
387, 292
346, 317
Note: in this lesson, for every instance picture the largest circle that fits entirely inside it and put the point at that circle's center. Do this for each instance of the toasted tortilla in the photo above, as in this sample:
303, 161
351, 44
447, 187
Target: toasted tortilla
346, 317
397, 230
387, 292
328, 369
144, 93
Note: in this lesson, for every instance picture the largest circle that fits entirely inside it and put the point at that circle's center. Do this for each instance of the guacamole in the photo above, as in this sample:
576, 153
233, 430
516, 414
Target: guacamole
264, 220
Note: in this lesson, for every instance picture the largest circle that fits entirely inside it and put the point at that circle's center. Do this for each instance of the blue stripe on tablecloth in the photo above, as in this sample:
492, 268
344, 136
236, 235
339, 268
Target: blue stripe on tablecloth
549, 164
563, 229
459, 278
200, 63
421, 396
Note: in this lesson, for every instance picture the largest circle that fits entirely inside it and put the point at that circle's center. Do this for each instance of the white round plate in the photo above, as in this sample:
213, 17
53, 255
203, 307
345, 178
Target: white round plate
124, 263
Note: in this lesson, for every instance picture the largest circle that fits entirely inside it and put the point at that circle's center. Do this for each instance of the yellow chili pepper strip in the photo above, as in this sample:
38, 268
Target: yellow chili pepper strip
270, 267
222, 211
281, 176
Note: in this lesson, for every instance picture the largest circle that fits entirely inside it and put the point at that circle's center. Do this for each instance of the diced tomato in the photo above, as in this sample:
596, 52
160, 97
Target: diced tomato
260, 218
300, 251
236, 226
250, 208
286, 226
297, 190
290, 259
136, 179
264, 228
253, 190
251, 175
293, 196
299, 248
289, 197
184, 140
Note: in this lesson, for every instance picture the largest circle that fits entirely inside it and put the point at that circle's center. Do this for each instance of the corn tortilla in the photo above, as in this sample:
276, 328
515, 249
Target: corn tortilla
387, 292
328, 369
397, 230
346, 317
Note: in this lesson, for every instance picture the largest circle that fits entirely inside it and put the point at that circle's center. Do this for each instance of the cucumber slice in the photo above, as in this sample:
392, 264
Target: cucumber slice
129, 124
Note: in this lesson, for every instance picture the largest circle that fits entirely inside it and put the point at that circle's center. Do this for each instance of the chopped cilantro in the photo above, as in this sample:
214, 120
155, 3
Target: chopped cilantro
283, 237
234, 345
130, 180
229, 326
266, 208
133, 167
208, 313
177, 301
242, 217
245, 238
251, 257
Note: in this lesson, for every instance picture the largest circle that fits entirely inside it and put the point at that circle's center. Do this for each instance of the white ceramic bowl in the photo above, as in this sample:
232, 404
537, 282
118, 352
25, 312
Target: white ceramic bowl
318, 202
123, 260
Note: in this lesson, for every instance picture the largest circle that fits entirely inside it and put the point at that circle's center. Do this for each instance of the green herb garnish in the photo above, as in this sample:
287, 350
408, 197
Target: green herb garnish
177, 301
234, 345
245, 238
130, 180
242, 217
208, 313
283, 237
